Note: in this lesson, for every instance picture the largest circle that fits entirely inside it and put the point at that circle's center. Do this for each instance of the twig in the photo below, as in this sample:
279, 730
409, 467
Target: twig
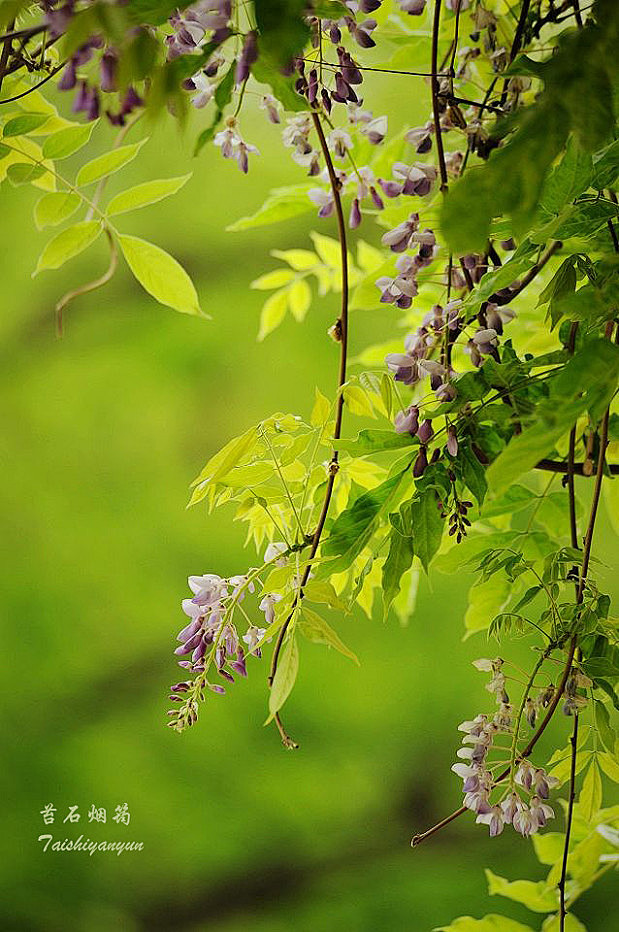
568, 826
528, 278
9, 100
342, 332
554, 466
435, 97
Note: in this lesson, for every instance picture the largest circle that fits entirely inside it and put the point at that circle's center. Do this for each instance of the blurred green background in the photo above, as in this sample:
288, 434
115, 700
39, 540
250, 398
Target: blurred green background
102, 432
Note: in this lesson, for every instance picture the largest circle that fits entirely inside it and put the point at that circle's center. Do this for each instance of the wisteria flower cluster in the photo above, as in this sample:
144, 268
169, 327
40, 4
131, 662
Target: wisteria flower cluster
526, 815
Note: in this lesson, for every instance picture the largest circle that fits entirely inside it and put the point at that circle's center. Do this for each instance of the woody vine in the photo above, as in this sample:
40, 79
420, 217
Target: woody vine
491, 232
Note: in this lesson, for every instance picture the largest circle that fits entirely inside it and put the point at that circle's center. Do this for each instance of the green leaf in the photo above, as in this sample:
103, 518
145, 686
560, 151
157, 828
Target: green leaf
606, 166
572, 924
160, 274
225, 460
53, 208
279, 206
376, 441
535, 896
605, 729
586, 382
25, 173
316, 629
283, 31
590, 799
486, 600
400, 556
68, 244
67, 141
273, 312
473, 472
281, 85
108, 163
490, 923
568, 179
353, 529
586, 218
610, 766
285, 675
141, 195
548, 847
427, 525
24, 123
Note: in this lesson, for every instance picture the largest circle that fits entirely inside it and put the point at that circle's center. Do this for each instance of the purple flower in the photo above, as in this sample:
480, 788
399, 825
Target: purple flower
249, 56
375, 130
400, 237
407, 421
494, 819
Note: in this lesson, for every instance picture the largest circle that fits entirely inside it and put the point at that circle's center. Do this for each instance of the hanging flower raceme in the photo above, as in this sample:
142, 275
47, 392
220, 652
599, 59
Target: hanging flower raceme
522, 804
233, 146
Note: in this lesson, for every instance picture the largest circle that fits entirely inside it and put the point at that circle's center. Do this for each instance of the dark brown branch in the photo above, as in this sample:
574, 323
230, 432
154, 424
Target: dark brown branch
342, 330
435, 96
9, 100
568, 826
554, 466
528, 278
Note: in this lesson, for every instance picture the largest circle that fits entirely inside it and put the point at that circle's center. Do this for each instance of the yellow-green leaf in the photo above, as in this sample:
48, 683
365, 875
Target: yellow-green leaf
273, 312
590, 798
68, 244
142, 195
160, 274
67, 141
299, 299
275, 279
51, 209
285, 675
108, 163
316, 629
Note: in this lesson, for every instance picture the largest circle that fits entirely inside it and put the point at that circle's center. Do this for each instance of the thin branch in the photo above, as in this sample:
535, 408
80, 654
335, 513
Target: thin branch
342, 333
568, 826
435, 96
528, 278
9, 100
554, 466
89, 286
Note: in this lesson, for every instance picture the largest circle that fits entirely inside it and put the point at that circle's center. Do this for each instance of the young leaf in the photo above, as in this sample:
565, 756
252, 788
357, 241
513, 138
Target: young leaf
284, 205
108, 163
142, 195
285, 675
67, 141
160, 274
535, 896
354, 527
23, 124
590, 799
427, 526
51, 209
316, 629
400, 556
68, 244
273, 312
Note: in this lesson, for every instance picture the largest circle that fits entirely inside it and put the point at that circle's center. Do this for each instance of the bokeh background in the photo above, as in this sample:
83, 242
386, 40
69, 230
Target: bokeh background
102, 433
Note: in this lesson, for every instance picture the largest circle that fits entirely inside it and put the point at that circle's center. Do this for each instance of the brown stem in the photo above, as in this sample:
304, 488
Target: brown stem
516, 44
6, 53
578, 468
435, 96
568, 826
528, 278
342, 330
